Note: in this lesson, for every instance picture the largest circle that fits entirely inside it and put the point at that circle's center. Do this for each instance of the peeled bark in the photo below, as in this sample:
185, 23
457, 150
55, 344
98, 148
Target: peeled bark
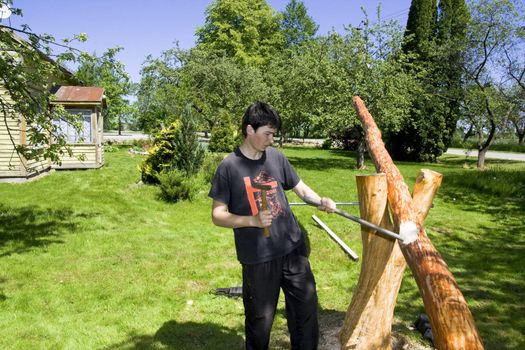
368, 321
366, 324
452, 323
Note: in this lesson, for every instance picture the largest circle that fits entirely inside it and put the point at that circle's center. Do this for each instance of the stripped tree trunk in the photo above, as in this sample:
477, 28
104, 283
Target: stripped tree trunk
368, 321
366, 325
452, 323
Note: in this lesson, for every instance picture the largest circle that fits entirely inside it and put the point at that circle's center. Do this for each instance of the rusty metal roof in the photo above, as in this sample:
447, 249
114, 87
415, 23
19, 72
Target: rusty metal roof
79, 94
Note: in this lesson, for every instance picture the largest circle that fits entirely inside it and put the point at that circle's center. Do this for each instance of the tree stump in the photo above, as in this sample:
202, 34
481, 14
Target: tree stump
368, 321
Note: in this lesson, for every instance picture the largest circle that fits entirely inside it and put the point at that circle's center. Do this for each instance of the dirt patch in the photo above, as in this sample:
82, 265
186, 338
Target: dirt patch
330, 325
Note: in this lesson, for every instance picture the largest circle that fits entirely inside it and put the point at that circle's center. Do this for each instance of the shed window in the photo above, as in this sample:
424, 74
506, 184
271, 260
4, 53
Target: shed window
77, 136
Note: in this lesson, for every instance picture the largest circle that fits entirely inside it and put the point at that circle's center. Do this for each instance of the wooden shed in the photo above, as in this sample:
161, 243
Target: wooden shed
86, 145
87, 102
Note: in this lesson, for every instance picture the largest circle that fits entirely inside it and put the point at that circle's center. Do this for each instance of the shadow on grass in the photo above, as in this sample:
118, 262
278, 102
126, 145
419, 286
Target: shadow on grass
24, 228
316, 163
487, 261
3, 297
187, 335
334, 159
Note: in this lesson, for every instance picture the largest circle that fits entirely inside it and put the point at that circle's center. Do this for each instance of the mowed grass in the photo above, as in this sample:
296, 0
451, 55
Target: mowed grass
91, 260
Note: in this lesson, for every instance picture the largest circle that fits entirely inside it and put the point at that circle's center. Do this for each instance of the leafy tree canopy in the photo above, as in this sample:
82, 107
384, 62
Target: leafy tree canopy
247, 30
108, 72
297, 26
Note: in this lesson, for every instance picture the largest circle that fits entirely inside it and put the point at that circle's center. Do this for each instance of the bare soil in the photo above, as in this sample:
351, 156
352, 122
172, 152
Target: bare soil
330, 324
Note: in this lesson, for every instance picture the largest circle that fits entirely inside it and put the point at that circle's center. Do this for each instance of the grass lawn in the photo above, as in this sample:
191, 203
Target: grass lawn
90, 260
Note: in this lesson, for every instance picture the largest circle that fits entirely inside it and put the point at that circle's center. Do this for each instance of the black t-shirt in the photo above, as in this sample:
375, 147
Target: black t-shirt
232, 185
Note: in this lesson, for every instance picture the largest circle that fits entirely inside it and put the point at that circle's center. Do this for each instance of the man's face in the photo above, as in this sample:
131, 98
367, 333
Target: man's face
262, 138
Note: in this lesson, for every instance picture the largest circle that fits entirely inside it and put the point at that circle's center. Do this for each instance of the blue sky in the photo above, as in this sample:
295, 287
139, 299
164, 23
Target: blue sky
149, 27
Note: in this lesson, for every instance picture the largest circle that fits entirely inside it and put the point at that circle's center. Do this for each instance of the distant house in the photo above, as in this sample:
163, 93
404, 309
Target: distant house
87, 102
86, 146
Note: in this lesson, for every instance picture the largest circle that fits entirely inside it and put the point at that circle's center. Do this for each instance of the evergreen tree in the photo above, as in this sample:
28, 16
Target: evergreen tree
435, 38
190, 154
453, 17
421, 27
175, 148
421, 138
296, 25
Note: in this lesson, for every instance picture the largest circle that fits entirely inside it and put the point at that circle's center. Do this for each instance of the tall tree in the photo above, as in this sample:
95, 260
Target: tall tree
297, 26
108, 72
453, 17
219, 85
421, 137
301, 81
375, 64
247, 30
491, 29
163, 89
421, 27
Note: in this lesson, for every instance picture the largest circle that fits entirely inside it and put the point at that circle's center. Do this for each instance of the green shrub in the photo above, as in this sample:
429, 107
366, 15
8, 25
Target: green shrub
209, 166
176, 148
224, 135
189, 153
109, 147
327, 144
175, 186
161, 155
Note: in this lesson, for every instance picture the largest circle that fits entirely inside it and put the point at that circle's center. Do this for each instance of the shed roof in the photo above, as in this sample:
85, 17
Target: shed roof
79, 94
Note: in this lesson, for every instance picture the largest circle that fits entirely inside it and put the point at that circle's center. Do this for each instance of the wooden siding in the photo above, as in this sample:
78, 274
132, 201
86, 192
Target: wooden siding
88, 151
10, 162
37, 166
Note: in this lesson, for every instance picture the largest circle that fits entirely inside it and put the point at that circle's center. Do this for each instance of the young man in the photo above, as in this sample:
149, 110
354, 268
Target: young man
277, 261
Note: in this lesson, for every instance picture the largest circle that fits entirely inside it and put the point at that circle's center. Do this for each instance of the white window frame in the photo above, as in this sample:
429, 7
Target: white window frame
84, 136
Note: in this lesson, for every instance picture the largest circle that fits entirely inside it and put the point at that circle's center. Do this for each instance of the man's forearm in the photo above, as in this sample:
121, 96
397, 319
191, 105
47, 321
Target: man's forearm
229, 220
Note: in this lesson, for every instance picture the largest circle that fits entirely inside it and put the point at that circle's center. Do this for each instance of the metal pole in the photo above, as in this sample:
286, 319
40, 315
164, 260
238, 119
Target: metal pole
316, 203
336, 238
337, 203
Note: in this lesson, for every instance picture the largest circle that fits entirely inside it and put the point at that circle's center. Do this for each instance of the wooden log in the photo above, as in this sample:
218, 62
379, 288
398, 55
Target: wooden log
452, 323
364, 327
427, 184
368, 321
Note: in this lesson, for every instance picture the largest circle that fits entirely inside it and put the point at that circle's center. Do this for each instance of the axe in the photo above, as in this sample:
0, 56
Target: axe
264, 204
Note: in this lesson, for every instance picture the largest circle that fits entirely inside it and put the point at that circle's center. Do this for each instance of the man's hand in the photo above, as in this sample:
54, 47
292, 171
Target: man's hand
327, 205
264, 218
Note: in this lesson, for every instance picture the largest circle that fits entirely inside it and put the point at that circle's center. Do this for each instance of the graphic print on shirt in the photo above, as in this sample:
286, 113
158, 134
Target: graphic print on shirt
255, 197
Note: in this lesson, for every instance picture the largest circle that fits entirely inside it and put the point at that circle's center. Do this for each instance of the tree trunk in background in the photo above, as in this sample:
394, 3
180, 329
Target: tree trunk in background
119, 125
452, 323
368, 321
481, 158
361, 149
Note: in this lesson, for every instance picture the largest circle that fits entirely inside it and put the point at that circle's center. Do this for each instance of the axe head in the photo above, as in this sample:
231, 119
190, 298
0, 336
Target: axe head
262, 187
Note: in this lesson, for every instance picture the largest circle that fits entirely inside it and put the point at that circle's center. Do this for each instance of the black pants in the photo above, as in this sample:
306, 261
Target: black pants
261, 287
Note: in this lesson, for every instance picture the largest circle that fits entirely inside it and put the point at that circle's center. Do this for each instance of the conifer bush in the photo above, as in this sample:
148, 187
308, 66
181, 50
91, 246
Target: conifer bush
224, 135
175, 148
175, 186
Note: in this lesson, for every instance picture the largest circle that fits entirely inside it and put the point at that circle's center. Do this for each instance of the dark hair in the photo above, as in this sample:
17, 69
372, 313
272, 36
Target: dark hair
260, 114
